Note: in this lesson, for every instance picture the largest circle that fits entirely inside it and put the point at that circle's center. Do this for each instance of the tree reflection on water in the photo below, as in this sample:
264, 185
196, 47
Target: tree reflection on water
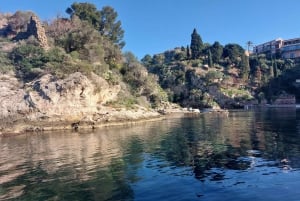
109, 164
213, 141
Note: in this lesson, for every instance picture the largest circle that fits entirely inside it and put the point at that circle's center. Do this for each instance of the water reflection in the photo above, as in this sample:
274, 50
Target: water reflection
179, 159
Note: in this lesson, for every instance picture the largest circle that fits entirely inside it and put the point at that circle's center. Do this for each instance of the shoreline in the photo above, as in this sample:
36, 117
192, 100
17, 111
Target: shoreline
22, 126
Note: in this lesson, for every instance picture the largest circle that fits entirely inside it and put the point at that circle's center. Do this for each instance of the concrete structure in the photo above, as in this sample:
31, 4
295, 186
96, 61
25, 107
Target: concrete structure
288, 49
291, 49
272, 46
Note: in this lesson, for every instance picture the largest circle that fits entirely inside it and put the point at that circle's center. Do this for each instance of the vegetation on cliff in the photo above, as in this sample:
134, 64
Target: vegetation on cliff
90, 41
204, 75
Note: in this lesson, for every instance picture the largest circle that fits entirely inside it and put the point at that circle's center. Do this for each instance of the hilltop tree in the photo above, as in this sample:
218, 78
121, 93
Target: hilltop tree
196, 45
233, 52
111, 27
105, 20
87, 12
146, 60
216, 50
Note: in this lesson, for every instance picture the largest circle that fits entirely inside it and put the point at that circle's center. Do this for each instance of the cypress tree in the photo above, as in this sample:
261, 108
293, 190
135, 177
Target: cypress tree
258, 76
196, 45
275, 68
188, 53
210, 60
245, 67
216, 51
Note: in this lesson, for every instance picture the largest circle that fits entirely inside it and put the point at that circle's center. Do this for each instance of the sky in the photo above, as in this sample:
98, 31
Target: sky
155, 26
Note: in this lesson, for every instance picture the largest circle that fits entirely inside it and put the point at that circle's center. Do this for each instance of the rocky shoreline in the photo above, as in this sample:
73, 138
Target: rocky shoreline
74, 102
121, 118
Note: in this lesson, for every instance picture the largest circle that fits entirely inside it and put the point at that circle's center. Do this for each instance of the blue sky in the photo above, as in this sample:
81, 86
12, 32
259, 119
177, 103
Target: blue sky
154, 26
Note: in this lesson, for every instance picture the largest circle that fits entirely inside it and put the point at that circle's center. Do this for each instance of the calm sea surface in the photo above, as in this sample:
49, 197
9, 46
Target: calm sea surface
245, 156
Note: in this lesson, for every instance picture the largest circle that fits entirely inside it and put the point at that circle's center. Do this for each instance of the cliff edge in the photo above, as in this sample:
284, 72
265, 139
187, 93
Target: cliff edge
70, 103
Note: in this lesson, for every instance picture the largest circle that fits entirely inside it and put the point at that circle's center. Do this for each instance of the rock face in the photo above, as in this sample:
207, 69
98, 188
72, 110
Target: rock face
71, 102
71, 98
36, 29
12, 104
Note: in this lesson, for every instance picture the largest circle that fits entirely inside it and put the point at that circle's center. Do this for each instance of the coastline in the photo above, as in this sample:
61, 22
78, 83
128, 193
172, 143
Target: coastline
23, 126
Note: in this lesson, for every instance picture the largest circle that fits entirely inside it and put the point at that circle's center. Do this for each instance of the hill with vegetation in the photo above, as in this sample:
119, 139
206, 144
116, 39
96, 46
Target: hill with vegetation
71, 70
205, 75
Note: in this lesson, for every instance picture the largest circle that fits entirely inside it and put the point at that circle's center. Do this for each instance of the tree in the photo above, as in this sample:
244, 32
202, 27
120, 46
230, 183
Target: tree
110, 27
216, 50
245, 67
146, 60
59, 27
210, 60
275, 69
105, 21
28, 60
258, 76
87, 12
234, 52
196, 45
188, 53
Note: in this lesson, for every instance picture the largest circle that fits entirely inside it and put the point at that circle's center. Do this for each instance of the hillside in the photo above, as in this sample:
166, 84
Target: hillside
71, 73
214, 76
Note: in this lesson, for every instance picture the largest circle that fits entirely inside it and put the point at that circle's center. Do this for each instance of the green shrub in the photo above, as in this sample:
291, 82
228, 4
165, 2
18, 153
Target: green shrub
5, 63
27, 57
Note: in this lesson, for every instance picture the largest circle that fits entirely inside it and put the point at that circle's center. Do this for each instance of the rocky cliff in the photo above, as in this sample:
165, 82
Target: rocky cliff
50, 103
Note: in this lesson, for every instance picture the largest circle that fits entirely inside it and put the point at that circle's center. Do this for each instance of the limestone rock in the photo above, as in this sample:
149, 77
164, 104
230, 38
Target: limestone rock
71, 98
12, 103
73, 102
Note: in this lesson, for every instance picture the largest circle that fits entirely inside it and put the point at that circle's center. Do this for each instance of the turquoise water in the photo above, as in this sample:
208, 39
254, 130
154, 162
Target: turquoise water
247, 155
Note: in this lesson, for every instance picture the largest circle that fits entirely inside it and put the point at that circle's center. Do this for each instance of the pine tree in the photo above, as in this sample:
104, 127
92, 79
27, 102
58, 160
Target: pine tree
105, 21
196, 45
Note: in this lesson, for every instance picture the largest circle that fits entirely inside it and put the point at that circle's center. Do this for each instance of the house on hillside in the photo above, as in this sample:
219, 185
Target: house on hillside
291, 49
288, 49
272, 46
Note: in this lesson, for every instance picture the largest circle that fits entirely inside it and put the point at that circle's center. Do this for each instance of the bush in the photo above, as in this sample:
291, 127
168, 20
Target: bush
196, 63
26, 58
5, 63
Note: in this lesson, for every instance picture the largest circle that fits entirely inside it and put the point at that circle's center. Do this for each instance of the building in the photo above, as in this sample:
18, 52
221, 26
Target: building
272, 46
291, 49
288, 49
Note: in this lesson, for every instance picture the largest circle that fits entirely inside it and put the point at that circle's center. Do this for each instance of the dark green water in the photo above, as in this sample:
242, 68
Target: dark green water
248, 155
